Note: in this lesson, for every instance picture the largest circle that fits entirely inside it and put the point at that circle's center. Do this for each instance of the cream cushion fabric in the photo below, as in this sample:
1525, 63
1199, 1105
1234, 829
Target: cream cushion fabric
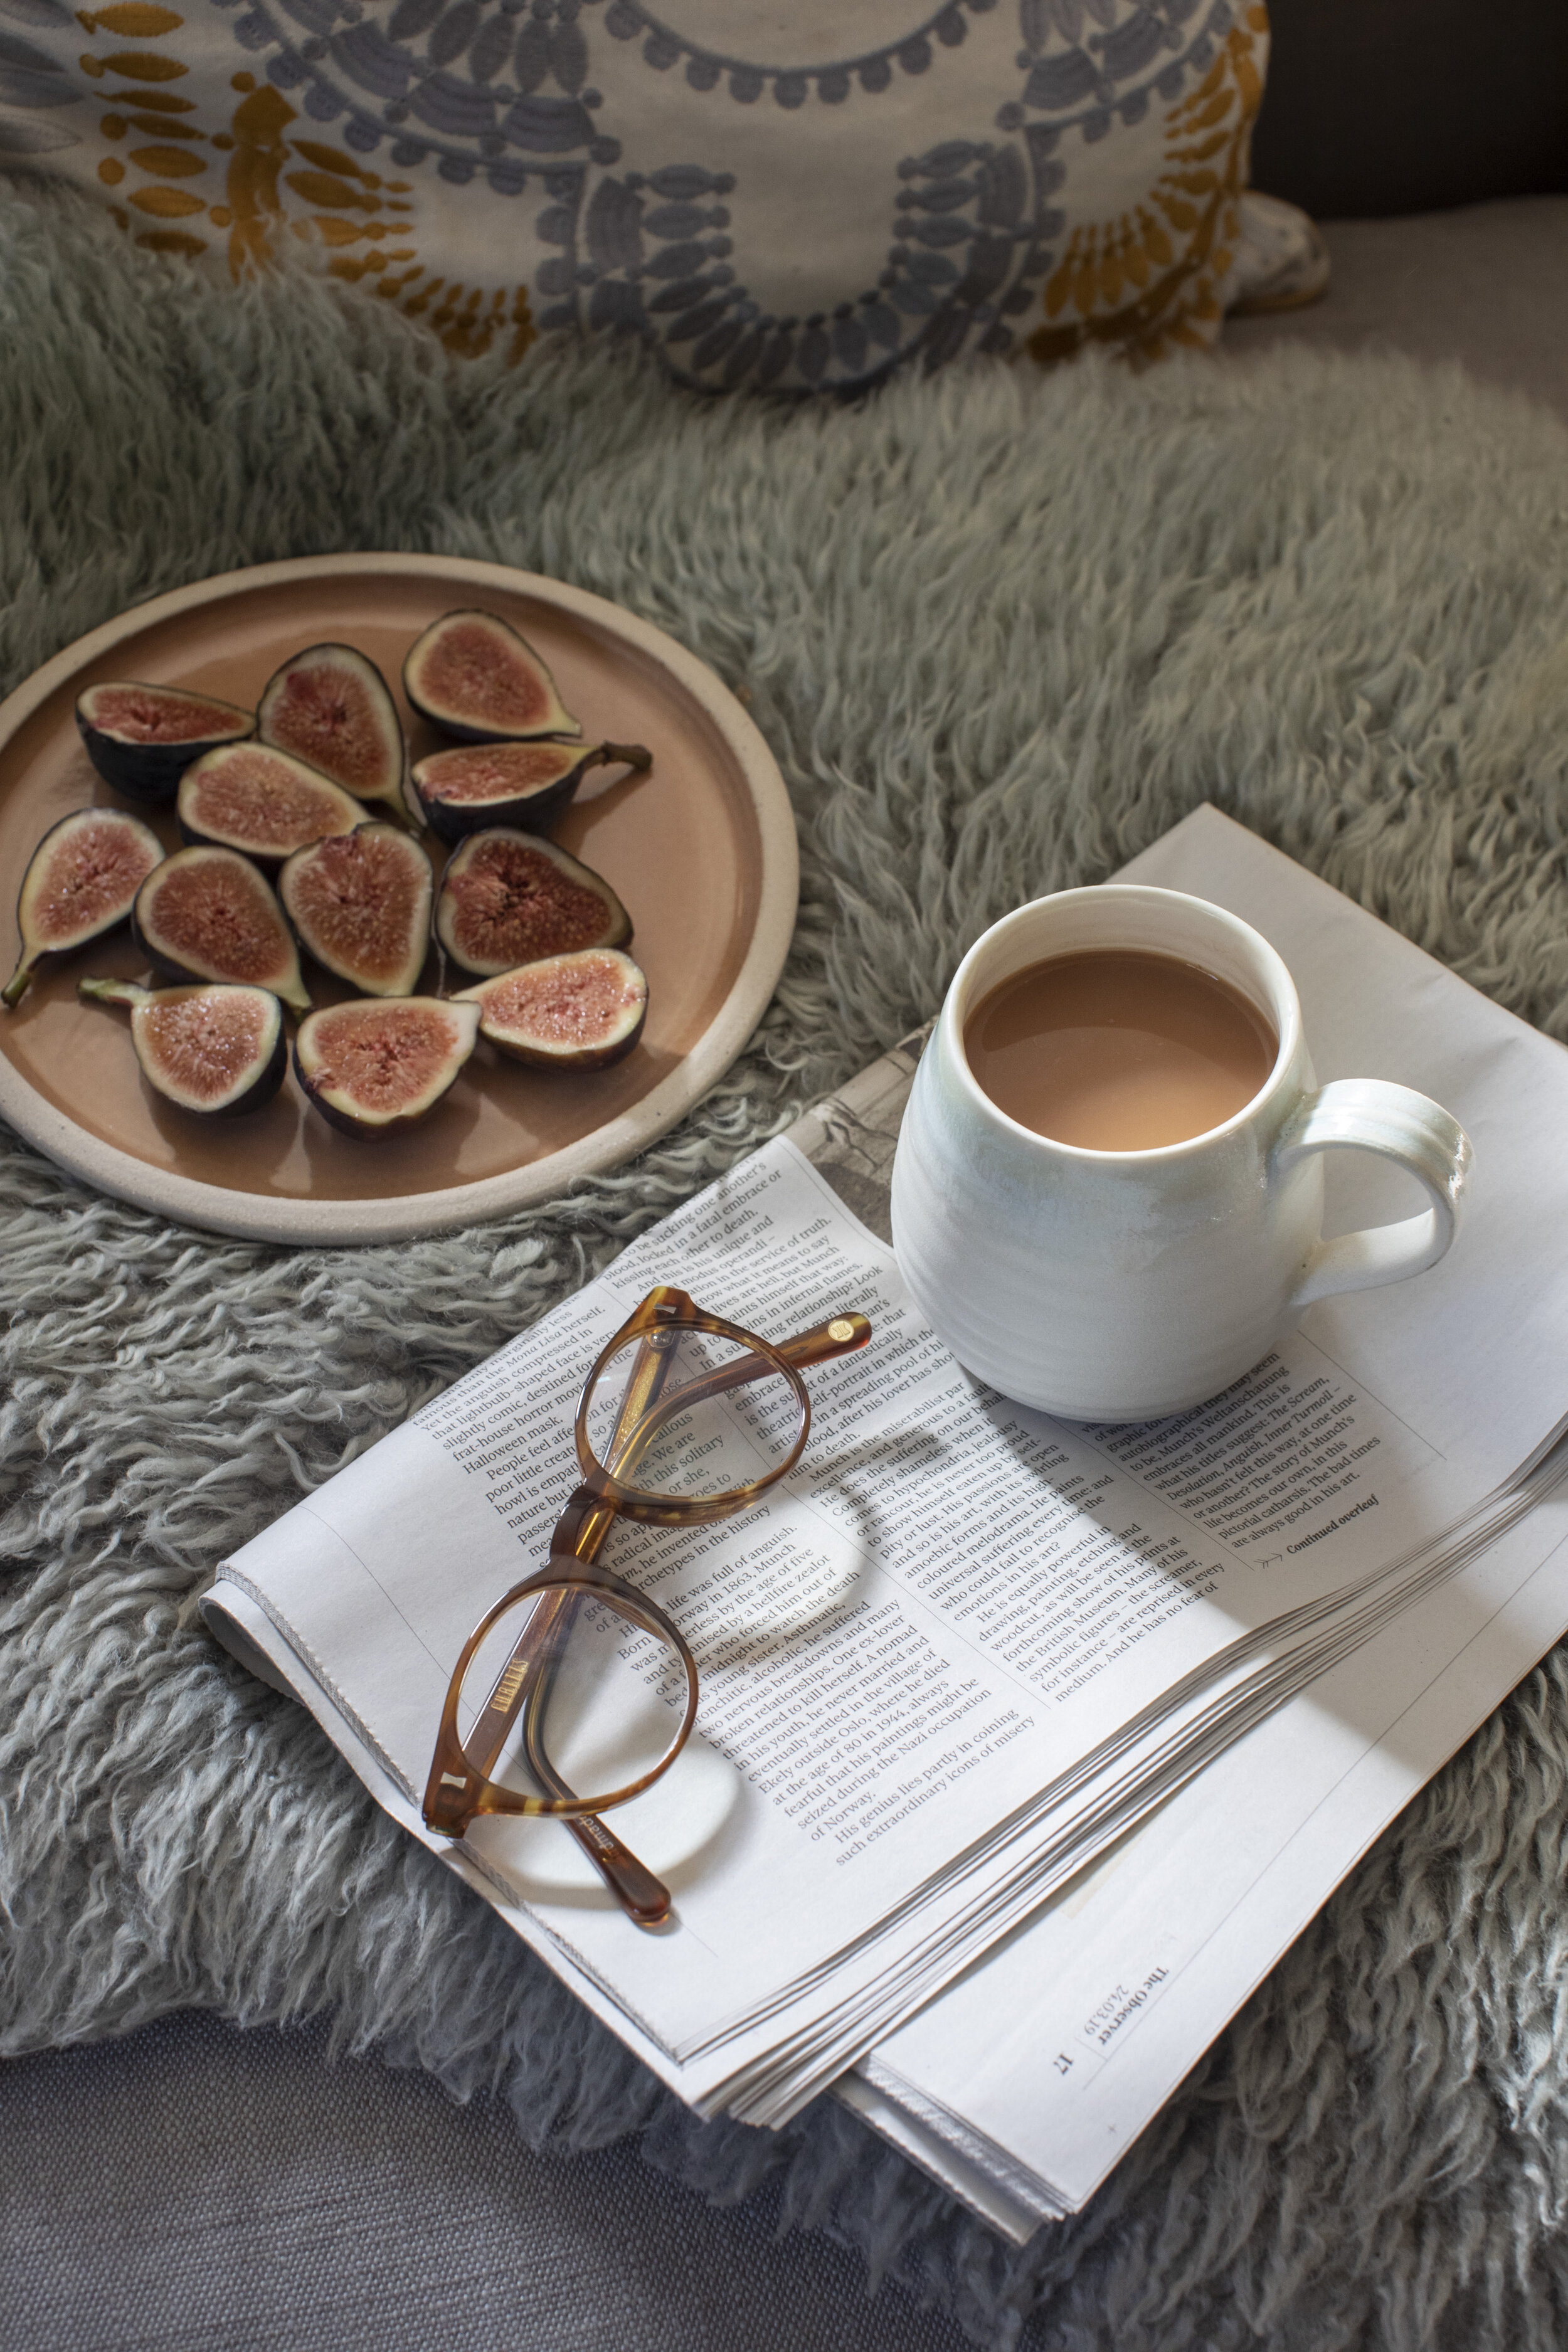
799, 197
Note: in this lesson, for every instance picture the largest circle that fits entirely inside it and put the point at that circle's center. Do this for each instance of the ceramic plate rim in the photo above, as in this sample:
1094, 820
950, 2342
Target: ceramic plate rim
406, 1216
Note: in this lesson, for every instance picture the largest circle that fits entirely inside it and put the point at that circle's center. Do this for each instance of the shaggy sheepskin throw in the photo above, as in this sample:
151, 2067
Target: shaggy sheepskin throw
1001, 632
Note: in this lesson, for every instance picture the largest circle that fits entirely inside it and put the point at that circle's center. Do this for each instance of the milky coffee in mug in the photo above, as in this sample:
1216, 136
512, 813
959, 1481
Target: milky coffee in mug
1108, 1187
1116, 1049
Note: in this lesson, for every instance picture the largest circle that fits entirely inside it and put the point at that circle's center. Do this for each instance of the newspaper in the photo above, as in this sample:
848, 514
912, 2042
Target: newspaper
1113, 1991
963, 1650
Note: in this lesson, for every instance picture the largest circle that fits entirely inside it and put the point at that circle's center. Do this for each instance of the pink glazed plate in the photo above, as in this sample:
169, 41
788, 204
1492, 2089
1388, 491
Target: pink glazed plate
703, 850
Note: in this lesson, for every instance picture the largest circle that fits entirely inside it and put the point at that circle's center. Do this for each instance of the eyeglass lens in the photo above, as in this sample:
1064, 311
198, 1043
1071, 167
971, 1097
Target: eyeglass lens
714, 1417
595, 1690
605, 1694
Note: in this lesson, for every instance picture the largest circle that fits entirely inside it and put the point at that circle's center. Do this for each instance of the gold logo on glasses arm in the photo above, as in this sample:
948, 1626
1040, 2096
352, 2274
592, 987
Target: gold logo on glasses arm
510, 1683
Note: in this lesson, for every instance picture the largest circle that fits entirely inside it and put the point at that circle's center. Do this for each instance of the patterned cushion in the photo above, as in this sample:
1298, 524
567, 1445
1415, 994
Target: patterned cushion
798, 198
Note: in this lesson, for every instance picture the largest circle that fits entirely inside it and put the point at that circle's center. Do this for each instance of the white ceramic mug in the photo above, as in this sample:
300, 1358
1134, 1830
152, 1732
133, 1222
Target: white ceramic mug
1119, 1285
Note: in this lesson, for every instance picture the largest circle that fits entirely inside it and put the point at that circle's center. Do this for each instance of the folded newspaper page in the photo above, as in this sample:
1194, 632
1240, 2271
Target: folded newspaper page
1112, 1992
962, 1650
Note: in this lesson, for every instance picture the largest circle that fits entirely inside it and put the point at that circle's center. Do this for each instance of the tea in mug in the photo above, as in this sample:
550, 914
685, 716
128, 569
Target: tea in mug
1118, 1049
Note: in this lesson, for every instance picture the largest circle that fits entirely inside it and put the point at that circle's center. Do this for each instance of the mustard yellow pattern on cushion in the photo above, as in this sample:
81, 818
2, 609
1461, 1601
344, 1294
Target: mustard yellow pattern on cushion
1154, 276
151, 113
929, 177
270, 182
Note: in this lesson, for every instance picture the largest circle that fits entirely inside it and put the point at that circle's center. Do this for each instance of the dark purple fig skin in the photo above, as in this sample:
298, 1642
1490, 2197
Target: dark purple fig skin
394, 1009
151, 772
543, 1056
268, 1082
530, 807
33, 949
267, 1073
330, 1111
469, 725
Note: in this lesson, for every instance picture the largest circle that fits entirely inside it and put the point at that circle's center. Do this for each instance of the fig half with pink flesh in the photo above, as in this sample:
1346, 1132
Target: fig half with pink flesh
211, 1048
80, 881
509, 899
529, 785
360, 903
141, 738
206, 914
377, 1063
578, 1012
475, 676
261, 801
332, 708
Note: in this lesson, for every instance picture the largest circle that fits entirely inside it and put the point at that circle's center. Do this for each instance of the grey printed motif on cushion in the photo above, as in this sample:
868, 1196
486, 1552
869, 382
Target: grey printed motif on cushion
34, 85
805, 217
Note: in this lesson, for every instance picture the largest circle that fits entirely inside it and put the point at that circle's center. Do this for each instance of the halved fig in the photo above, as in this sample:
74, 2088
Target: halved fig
375, 1064
332, 707
360, 903
577, 1012
80, 881
141, 738
474, 676
206, 914
209, 1047
250, 797
525, 784
509, 899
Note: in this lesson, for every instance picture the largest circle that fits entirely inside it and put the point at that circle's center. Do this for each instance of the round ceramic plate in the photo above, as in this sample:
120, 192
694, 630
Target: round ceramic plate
701, 849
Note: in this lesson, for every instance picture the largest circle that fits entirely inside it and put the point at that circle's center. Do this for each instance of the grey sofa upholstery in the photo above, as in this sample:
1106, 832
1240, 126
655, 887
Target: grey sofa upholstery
194, 2187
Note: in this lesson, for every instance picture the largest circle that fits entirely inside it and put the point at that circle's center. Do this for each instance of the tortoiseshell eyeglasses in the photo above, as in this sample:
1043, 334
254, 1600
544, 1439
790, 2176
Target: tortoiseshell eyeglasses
576, 1678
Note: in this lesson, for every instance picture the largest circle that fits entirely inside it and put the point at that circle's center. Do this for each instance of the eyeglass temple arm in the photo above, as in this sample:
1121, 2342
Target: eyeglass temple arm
639, 1421
641, 1417
840, 1335
644, 1898
640, 1894
643, 1895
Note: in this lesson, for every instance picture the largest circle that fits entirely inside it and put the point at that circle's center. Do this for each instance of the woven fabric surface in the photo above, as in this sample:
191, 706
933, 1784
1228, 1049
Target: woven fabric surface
1001, 632
196, 2189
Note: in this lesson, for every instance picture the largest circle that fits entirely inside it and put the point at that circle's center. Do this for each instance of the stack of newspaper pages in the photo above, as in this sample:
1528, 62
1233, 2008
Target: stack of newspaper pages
1024, 1746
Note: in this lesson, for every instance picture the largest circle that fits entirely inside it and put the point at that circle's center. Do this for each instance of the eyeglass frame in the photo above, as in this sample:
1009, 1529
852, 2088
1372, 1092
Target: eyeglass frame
458, 1791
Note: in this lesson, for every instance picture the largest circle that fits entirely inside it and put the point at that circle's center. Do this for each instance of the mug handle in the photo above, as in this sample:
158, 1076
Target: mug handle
1375, 1115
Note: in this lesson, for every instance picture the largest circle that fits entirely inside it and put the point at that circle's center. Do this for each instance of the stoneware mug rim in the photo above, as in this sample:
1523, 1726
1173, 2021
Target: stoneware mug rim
1123, 1286
1284, 1013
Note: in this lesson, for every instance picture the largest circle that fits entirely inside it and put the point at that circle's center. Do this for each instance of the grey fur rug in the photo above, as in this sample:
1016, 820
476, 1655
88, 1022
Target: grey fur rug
1001, 631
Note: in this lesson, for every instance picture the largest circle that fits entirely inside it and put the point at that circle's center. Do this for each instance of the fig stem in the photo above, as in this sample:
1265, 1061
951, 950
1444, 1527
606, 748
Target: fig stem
21, 980
112, 992
636, 755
